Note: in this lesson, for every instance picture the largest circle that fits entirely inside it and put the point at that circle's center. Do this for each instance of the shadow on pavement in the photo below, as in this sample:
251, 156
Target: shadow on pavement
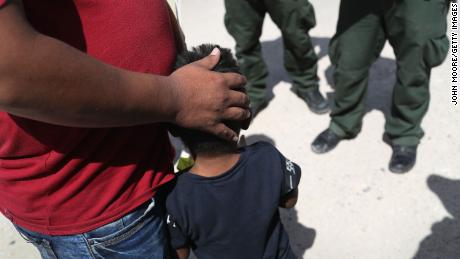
381, 80
301, 237
272, 52
444, 240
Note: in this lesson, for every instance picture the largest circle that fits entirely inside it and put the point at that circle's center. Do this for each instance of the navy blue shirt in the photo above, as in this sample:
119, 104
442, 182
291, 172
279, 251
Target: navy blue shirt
235, 215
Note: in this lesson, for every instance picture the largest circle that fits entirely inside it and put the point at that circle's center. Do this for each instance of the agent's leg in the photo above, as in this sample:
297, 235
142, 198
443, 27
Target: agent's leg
357, 44
295, 19
244, 20
417, 32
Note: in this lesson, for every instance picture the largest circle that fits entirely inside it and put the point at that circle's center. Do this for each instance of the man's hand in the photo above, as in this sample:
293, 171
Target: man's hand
206, 98
44, 79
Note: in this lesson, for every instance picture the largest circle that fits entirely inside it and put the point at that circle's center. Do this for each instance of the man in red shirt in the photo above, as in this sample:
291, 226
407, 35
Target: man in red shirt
84, 88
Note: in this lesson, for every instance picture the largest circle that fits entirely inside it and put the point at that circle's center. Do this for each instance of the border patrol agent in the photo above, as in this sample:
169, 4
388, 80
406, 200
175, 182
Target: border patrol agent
416, 29
244, 20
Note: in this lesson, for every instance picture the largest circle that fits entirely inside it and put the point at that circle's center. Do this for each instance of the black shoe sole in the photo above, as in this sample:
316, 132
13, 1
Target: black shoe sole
319, 152
323, 111
401, 171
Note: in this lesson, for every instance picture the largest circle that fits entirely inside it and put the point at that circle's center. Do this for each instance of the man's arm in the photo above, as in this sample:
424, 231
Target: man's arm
47, 80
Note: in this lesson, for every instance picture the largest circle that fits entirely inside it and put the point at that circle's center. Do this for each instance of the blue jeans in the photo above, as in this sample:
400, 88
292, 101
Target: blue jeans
140, 234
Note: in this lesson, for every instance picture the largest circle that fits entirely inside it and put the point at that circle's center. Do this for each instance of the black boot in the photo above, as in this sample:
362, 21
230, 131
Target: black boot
325, 142
314, 99
403, 158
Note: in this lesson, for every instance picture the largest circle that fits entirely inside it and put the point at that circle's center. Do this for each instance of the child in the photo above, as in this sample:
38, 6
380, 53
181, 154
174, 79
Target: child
226, 204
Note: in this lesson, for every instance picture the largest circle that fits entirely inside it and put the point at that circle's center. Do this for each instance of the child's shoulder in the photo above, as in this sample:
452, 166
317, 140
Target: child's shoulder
262, 147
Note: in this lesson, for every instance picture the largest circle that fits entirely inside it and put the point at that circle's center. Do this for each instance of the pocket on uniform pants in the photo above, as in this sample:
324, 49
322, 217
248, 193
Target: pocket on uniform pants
436, 48
307, 15
435, 51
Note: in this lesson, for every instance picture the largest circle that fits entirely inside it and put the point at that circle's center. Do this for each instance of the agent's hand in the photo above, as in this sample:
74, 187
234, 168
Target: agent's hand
206, 98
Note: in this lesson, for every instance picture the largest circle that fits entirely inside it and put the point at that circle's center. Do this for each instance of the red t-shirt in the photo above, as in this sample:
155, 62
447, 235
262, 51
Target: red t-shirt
61, 180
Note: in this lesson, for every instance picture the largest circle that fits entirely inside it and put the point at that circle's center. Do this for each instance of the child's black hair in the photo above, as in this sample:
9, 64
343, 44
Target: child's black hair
226, 63
199, 142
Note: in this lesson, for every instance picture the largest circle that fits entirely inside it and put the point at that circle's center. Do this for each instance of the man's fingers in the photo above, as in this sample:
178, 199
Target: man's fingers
236, 114
234, 80
210, 61
245, 124
238, 99
224, 132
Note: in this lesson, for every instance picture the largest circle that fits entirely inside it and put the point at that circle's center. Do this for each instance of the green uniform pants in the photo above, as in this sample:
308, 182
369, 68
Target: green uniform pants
244, 19
416, 29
